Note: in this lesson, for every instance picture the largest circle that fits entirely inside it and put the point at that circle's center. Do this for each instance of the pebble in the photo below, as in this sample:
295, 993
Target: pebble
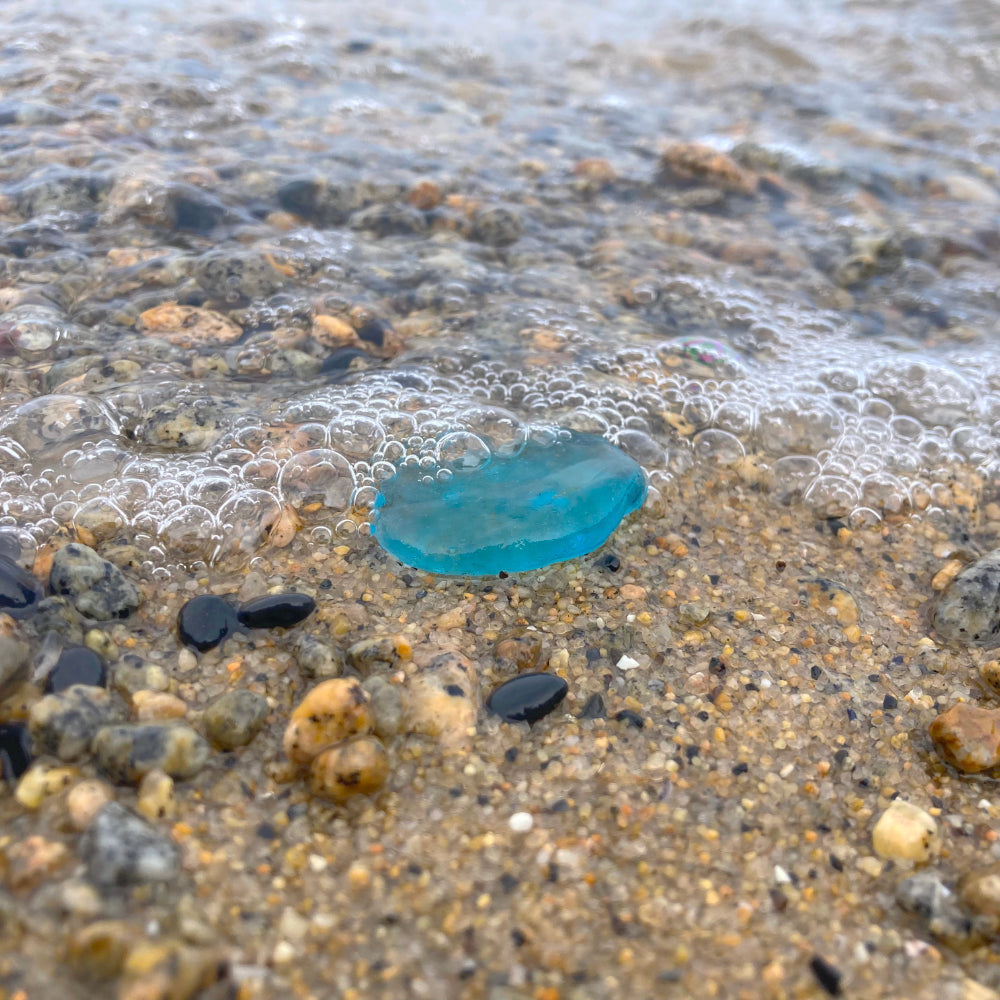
127, 753
968, 612
593, 708
57, 614
20, 592
521, 822
496, 227
41, 782
205, 621
905, 832
189, 326
518, 651
149, 706
968, 737
378, 653
132, 674
229, 275
120, 848
156, 795
527, 697
32, 861
387, 704
542, 505
13, 659
15, 750
65, 723
276, 610
318, 660
97, 952
979, 892
97, 588
927, 896
692, 161
76, 665
441, 700
358, 766
235, 718
169, 969
329, 713
85, 800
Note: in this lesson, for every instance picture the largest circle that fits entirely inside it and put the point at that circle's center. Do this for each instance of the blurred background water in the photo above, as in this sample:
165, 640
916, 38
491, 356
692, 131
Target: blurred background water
254, 257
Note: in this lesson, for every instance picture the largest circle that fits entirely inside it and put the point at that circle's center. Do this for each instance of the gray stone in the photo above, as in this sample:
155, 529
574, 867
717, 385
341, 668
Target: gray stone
925, 895
969, 610
318, 660
235, 718
96, 587
387, 704
127, 753
231, 276
13, 658
132, 673
369, 655
64, 724
121, 849
57, 614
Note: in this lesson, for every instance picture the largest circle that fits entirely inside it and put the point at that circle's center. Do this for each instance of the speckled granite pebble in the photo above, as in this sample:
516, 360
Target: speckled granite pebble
318, 660
127, 753
441, 699
235, 718
97, 588
65, 723
968, 612
119, 848
926, 895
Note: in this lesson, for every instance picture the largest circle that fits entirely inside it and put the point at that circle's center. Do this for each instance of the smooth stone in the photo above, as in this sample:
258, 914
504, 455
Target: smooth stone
968, 737
968, 612
527, 697
235, 718
441, 701
127, 753
925, 895
518, 651
358, 766
13, 659
119, 848
64, 723
20, 592
76, 665
15, 750
97, 588
330, 712
318, 660
511, 514
276, 610
205, 621
132, 673
387, 704
593, 708
905, 832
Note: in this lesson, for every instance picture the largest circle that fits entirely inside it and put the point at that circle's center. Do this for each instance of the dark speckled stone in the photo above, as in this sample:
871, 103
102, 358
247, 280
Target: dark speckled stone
527, 697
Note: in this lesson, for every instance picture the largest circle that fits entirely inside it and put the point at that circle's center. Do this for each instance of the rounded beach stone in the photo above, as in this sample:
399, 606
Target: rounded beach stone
527, 697
205, 621
905, 832
156, 795
276, 610
517, 651
358, 766
98, 951
235, 718
76, 665
318, 660
387, 704
64, 724
329, 713
120, 848
979, 891
441, 700
85, 800
126, 754
968, 737
97, 588
926, 895
969, 610
13, 658
20, 592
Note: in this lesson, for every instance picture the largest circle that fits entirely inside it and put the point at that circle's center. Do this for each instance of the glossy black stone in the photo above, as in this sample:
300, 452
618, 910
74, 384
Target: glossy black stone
276, 610
76, 665
593, 708
20, 592
205, 621
527, 697
15, 750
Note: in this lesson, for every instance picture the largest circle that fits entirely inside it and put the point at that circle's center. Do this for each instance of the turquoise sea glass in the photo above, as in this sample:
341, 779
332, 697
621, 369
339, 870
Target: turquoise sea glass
547, 503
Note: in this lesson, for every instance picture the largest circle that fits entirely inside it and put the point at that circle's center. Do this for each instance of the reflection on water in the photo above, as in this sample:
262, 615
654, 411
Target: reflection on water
261, 255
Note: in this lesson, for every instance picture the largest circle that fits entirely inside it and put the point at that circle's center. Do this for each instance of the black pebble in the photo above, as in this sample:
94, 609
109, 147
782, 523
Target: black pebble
827, 975
633, 719
610, 562
890, 702
76, 665
593, 708
15, 750
527, 697
205, 621
276, 610
20, 592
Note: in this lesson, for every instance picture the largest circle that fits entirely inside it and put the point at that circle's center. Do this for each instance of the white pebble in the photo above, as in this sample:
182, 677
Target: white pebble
627, 663
522, 822
905, 832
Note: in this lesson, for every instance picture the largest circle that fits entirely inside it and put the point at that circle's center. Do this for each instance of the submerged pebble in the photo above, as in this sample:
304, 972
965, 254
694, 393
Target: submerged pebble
969, 610
127, 753
76, 665
358, 766
64, 724
97, 588
235, 718
20, 592
541, 505
527, 697
205, 621
905, 832
968, 737
330, 712
119, 849
15, 750
276, 610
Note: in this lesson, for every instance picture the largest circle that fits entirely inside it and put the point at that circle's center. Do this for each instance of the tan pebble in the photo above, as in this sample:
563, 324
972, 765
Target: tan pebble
519, 650
40, 782
695, 161
30, 862
101, 643
331, 331
979, 891
424, 195
156, 795
149, 705
990, 672
905, 832
870, 866
971, 990
596, 170
968, 737
187, 326
98, 951
441, 700
358, 766
85, 800
559, 660
329, 713
947, 573
281, 532
457, 617
168, 970
632, 592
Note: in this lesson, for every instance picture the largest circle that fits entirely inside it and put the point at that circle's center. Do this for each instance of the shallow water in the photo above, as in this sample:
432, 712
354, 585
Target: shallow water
481, 205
